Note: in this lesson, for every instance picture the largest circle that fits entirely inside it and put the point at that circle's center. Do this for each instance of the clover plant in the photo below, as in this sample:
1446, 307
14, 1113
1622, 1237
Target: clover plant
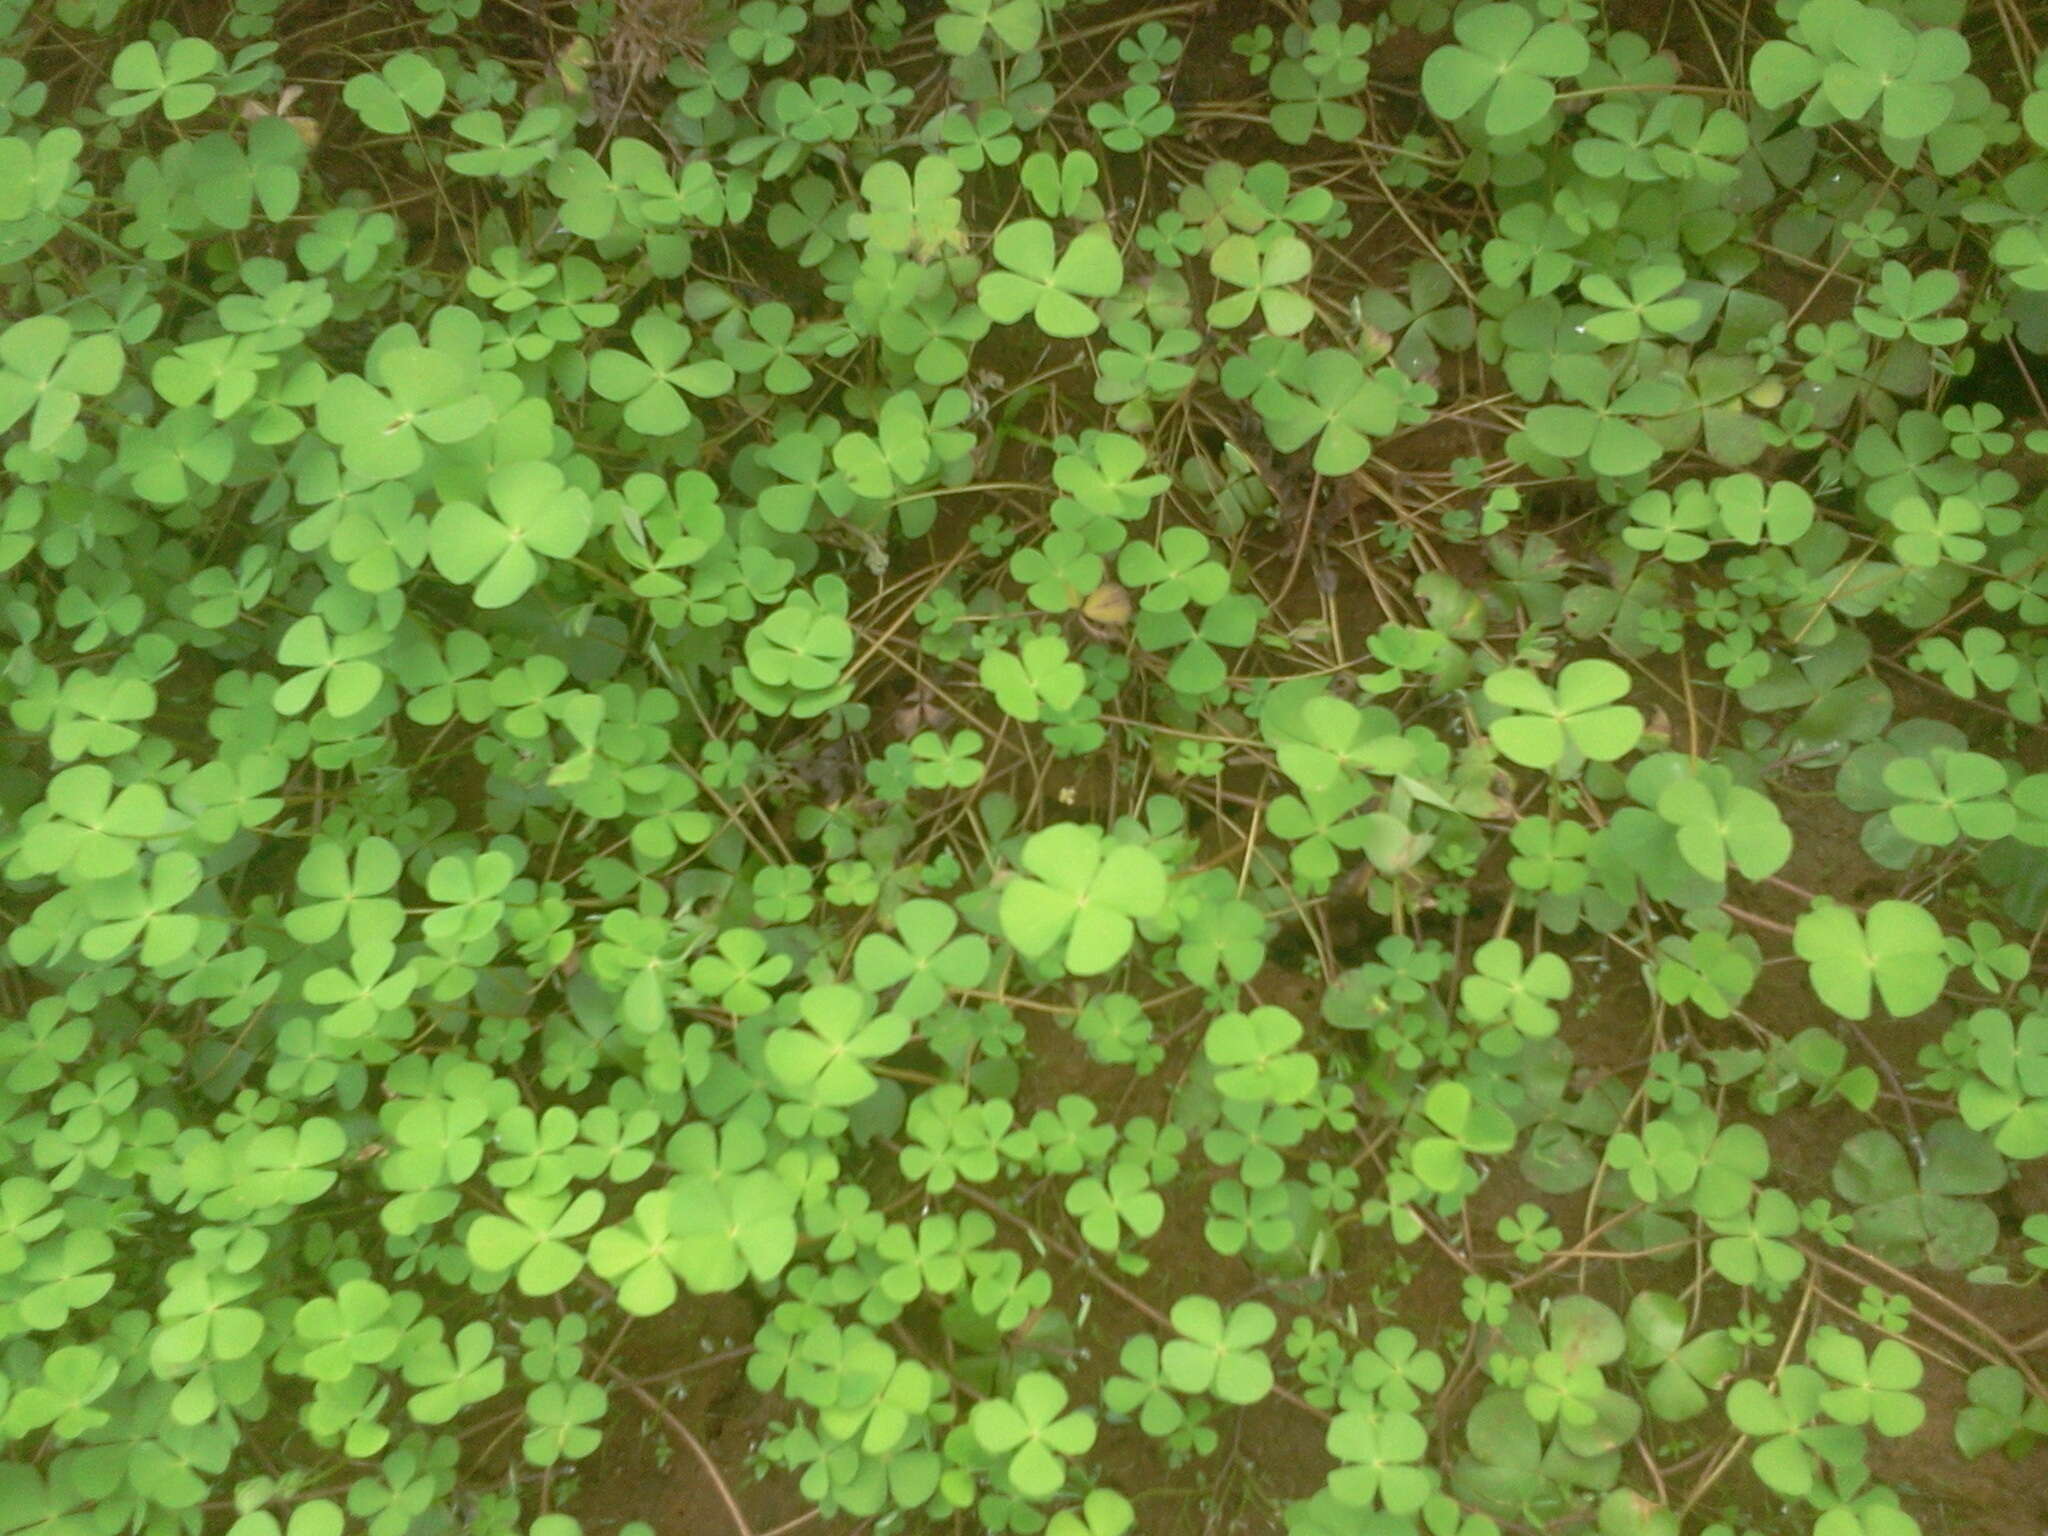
1021, 766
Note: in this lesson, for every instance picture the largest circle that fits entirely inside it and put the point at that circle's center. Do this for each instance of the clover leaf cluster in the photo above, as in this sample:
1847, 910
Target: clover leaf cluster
1023, 740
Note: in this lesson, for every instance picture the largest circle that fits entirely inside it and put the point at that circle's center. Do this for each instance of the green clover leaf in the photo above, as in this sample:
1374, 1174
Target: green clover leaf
1896, 948
741, 972
87, 830
652, 384
1330, 397
532, 141
1050, 285
710, 1233
1380, 1451
898, 454
912, 213
1174, 573
348, 887
534, 511
335, 663
37, 178
1780, 1422
1252, 1054
1555, 728
1906, 74
968, 24
1609, 442
1910, 1209
2007, 1097
127, 909
733, 1228
1034, 679
1059, 573
1143, 1394
1032, 1430
2003, 1413
363, 997
1721, 823
406, 88
1502, 987
1103, 1512
1651, 302
1127, 126
1123, 1198
427, 395
1220, 1354
1469, 1125
532, 1237
173, 77
926, 955
1682, 1370
45, 370
1060, 187
1948, 795
1747, 509
825, 1064
1505, 60
1876, 1386
1083, 899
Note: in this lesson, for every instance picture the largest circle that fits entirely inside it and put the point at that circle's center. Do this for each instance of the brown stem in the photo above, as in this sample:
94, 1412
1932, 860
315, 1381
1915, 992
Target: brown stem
682, 1432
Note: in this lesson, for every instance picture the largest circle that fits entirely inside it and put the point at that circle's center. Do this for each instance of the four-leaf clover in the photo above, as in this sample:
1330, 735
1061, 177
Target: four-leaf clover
1896, 948
533, 511
1504, 59
1033, 1432
1218, 1353
925, 954
1082, 897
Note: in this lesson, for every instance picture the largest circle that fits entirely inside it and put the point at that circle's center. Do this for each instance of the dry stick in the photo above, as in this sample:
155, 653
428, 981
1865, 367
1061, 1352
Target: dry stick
1750, 917
1308, 527
703, 1363
1897, 1087
876, 645
681, 1430
1656, 1473
1692, 719
2011, 17
689, 694
1388, 494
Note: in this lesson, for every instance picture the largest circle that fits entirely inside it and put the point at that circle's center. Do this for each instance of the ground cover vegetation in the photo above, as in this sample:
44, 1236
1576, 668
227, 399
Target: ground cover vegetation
1023, 765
